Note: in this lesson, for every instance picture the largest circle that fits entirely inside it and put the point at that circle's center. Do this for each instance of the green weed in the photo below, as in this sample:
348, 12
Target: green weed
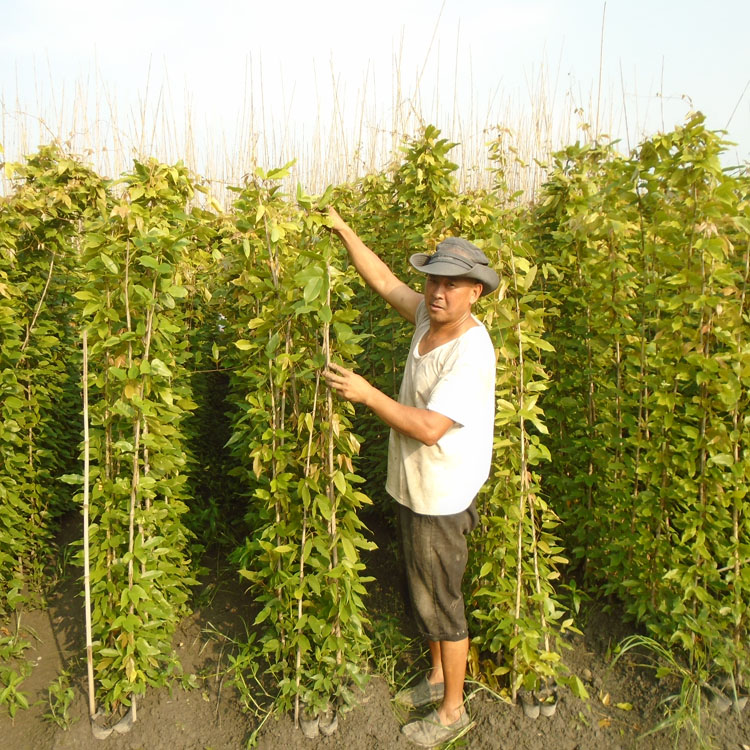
14, 669
392, 652
60, 697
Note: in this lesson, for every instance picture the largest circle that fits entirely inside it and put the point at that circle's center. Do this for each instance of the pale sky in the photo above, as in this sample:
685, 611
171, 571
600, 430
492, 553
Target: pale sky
289, 71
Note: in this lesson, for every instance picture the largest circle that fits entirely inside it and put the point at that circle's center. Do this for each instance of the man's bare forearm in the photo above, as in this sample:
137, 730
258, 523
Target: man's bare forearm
375, 273
370, 267
421, 424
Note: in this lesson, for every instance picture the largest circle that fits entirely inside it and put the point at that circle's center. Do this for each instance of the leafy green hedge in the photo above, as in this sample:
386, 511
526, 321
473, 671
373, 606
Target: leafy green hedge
621, 391
646, 264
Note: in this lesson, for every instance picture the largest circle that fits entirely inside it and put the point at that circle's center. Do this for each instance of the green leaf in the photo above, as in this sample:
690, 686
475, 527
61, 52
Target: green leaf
722, 459
340, 481
349, 551
159, 368
109, 264
72, 478
312, 289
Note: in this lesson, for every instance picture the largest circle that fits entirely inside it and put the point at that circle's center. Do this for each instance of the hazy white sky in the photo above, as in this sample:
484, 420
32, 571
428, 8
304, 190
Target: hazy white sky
295, 63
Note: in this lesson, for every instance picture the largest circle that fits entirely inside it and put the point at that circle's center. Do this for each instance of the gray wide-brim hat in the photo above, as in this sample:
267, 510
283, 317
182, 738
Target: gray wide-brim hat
456, 256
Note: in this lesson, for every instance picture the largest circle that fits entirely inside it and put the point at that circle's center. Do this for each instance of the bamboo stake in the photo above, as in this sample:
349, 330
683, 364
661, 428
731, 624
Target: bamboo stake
298, 664
524, 482
86, 563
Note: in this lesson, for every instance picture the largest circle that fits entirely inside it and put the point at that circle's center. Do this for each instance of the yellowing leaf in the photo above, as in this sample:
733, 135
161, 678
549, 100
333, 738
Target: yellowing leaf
624, 706
130, 670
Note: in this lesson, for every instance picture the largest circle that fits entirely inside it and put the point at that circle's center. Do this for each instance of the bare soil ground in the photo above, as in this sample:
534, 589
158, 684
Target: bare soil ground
210, 715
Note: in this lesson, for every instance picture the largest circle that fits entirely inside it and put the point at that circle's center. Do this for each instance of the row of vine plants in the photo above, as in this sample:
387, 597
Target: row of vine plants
646, 261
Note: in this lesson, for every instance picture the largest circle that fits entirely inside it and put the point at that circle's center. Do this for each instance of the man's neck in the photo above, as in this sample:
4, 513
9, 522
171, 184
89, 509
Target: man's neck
441, 333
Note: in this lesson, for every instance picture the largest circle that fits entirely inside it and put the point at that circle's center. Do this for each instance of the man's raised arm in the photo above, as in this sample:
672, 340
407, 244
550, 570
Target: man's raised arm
374, 271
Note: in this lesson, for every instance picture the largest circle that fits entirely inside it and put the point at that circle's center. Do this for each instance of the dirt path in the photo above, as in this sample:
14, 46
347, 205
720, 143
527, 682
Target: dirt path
209, 715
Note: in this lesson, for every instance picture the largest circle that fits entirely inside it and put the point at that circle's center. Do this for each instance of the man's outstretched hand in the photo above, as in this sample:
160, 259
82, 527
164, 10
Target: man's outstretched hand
337, 223
347, 384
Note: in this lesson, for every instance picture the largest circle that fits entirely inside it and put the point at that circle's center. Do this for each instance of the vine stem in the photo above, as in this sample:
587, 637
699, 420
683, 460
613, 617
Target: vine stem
298, 663
86, 561
142, 390
331, 490
736, 563
39, 304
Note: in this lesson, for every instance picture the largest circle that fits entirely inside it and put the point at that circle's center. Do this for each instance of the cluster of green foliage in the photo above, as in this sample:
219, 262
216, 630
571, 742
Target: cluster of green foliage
14, 669
40, 231
284, 308
135, 257
646, 263
621, 395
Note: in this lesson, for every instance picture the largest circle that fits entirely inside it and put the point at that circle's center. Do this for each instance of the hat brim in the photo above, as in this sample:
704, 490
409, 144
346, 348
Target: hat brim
485, 275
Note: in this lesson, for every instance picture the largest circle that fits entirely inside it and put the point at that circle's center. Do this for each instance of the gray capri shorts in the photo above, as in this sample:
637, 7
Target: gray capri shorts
435, 556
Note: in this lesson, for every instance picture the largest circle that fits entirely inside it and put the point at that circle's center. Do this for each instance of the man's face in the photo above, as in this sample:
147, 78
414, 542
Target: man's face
449, 298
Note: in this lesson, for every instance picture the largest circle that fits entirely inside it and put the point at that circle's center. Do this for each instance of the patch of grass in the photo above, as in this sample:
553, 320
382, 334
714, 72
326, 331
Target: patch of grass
684, 710
393, 653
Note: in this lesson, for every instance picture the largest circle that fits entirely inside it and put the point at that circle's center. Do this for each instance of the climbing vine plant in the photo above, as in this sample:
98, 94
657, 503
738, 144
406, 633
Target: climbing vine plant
294, 447
135, 255
40, 234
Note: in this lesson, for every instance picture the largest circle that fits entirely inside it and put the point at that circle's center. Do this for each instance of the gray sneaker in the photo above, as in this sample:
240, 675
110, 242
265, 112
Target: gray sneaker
421, 694
429, 731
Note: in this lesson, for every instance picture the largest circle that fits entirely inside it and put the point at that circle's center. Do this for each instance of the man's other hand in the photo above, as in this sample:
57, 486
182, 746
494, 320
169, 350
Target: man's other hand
347, 384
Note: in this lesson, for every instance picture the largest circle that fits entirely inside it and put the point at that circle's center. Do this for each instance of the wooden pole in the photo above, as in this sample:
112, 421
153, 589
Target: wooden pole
86, 564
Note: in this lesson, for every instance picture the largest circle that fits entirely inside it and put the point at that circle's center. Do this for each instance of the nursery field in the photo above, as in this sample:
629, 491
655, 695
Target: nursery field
194, 531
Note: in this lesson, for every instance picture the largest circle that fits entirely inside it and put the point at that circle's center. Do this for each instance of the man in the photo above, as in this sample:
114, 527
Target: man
439, 451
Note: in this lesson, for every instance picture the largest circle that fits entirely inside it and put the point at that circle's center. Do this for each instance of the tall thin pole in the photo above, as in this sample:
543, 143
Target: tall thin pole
86, 566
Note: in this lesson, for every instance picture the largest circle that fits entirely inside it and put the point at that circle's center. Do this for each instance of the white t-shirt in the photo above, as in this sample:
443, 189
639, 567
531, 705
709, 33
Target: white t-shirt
456, 379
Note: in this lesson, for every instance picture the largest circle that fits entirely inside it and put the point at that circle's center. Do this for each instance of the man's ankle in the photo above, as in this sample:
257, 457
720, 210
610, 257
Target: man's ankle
450, 716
